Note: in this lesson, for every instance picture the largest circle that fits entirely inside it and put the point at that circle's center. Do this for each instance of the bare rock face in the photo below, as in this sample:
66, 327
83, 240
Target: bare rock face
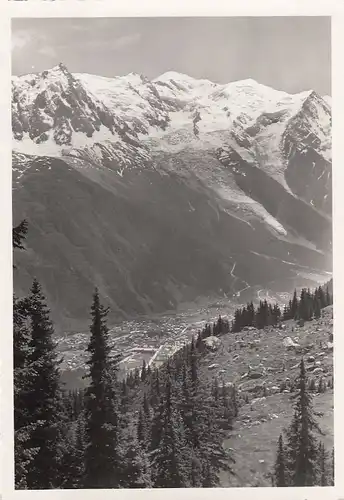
55, 101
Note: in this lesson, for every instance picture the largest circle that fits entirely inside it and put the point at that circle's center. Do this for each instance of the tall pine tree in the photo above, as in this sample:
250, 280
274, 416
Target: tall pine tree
22, 382
280, 466
102, 456
302, 444
44, 405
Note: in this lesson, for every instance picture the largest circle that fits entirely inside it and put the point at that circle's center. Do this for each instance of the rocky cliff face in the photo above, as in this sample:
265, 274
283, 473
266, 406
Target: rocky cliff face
163, 191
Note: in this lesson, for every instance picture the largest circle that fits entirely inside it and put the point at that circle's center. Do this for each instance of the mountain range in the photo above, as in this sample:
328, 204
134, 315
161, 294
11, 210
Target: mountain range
163, 192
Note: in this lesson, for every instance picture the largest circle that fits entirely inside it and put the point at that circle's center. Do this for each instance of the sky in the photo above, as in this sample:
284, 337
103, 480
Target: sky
287, 53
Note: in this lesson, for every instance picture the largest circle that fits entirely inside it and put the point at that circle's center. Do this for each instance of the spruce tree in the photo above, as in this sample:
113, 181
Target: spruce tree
302, 443
156, 424
169, 464
19, 234
44, 405
143, 371
102, 456
280, 466
144, 424
332, 468
136, 467
73, 460
23, 374
22, 382
141, 430
294, 306
328, 299
323, 466
317, 311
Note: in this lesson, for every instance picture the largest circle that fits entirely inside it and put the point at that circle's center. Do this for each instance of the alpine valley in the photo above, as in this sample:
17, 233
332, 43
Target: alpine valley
168, 193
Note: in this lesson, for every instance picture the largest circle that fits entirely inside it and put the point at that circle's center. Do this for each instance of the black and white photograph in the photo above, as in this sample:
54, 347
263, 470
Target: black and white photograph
172, 252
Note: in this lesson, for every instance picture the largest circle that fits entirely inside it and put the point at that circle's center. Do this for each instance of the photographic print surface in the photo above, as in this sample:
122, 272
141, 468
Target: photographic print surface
172, 211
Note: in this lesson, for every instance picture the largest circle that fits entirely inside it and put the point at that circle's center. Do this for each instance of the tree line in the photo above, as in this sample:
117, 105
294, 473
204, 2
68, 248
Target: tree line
303, 308
157, 427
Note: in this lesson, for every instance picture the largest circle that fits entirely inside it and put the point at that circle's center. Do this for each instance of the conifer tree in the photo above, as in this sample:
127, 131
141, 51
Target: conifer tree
144, 424
136, 468
102, 455
168, 463
317, 311
332, 468
23, 374
22, 382
156, 424
44, 405
328, 299
323, 466
280, 466
294, 306
141, 431
291, 450
19, 234
322, 297
302, 444
72, 465
143, 371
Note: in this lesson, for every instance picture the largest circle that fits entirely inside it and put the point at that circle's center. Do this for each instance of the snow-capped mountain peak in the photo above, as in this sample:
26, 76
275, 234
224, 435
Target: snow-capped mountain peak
56, 111
183, 79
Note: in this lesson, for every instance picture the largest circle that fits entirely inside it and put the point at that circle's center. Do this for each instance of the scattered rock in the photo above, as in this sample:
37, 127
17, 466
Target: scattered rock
256, 400
213, 366
290, 344
310, 359
255, 375
212, 342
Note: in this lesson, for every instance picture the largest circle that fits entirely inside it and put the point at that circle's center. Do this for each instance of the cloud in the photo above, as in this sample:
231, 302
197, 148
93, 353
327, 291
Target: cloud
20, 39
108, 42
126, 40
46, 50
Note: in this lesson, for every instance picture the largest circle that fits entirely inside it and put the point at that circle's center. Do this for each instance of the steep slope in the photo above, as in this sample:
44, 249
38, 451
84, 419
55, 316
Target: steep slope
156, 191
264, 370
